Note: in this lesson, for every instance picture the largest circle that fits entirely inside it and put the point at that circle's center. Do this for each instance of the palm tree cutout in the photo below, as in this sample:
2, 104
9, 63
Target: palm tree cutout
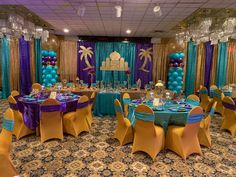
85, 53
146, 55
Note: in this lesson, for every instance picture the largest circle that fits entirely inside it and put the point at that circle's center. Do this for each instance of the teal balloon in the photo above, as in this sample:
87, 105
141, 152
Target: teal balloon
179, 69
171, 78
43, 76
175, 83
56, 68
44, 71
56, 76
171, 87
169, 83
44, 80
48, 76
181, 55
172, 56
182, 74
53, 72
53, 81
179, 79
179, 88
175, 74
176, 56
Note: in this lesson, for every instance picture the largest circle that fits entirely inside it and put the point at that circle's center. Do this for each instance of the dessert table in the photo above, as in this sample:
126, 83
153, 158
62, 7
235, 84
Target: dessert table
170, 114
30, 107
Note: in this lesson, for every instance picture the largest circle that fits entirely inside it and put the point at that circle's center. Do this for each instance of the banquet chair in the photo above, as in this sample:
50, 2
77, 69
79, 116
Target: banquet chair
218, 95
20, 129
204, 136
6, 167
51, 120
226, 87
229, 116
124, 132
126, 102
148, 137
184, 140
37, 86
90, 113
15, 93
206, 102
76, 122
193, 99
213, 87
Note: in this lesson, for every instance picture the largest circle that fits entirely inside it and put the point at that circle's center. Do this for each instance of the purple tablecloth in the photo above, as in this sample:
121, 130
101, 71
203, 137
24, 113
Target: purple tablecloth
31, 110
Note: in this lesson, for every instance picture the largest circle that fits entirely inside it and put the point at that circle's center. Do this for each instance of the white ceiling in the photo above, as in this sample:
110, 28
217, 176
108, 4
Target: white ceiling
99, 18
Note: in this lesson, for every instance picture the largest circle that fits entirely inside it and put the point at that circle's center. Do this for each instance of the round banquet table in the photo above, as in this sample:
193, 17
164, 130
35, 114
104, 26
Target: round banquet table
104, 104
170, 115
30, 108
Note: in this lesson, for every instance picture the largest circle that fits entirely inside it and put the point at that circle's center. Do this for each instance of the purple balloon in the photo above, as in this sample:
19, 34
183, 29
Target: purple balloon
176, 64
180, 60
172, 61
43, 63
55, 58
53, 63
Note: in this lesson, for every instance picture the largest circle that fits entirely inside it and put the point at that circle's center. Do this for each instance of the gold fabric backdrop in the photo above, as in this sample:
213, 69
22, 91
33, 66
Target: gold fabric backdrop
68, 60
14, 65
231, 62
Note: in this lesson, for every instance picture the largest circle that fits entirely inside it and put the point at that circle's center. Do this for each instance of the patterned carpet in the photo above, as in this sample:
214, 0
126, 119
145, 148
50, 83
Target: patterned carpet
98, 154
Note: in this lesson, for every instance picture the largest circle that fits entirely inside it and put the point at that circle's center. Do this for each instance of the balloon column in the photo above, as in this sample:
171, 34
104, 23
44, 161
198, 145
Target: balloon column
49, 68
175, 81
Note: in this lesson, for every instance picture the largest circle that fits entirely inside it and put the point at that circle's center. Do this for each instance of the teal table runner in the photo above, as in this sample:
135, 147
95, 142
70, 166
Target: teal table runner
164, 117
104, 104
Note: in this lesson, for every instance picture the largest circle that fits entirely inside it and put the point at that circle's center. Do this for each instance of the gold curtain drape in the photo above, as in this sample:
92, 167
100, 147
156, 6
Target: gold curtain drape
160, 62
214, 64
200, 66
68, 60
14, 65
231, 62
32, 61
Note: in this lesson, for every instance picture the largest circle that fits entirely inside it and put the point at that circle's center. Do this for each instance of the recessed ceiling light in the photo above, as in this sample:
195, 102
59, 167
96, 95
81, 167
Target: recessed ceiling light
128, 31
156, 9
66, 30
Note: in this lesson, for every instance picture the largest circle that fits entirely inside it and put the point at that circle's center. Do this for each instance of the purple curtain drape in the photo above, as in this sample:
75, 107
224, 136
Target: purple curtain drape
208, 63
143, 72
82, 66
25, 78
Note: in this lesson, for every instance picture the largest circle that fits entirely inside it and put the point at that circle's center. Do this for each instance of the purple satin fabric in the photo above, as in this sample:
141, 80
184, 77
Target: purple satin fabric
82, 105
31, 111
81, 65
139, 74
50, 108
25, 78
208, 63
13, 106
229, 106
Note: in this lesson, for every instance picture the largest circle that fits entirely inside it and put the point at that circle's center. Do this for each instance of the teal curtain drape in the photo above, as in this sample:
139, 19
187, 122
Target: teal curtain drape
221, 64
191, 68
126, 51
38, 60
5, 57
103, 50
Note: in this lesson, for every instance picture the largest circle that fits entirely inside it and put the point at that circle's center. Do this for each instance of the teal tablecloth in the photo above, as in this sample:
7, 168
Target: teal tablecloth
165, 117
226, 92
104, 104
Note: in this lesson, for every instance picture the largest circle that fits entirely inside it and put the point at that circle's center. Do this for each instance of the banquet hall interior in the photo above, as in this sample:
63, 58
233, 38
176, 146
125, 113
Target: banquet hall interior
117, 88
